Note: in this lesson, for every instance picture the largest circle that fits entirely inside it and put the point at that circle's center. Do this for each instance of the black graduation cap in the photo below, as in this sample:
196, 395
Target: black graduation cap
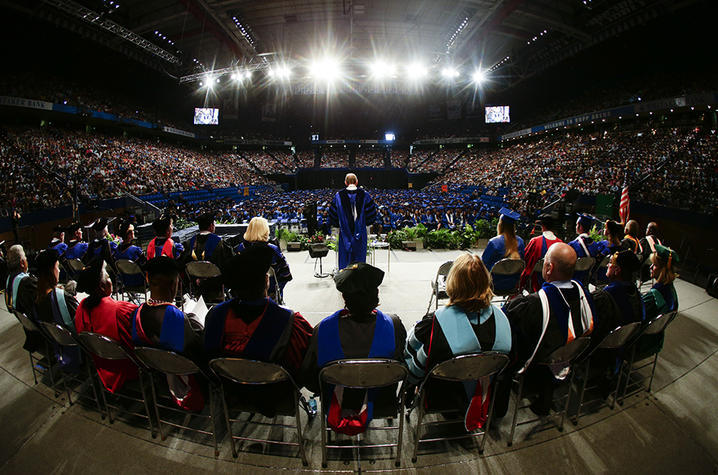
162, 265
628, 262
89, 277
546, 220
46, 260
99, 224
246, 268
509, 215
359, 277
614, 228
585, 220
667, 254
74, 226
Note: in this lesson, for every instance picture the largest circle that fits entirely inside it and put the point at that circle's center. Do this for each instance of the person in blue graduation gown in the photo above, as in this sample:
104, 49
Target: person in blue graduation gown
584, 245
129, 251
352, 210
76, 248
58, 240
506, 245
611, 245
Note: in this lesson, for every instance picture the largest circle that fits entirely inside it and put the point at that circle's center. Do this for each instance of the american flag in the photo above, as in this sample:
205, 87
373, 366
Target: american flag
624, 209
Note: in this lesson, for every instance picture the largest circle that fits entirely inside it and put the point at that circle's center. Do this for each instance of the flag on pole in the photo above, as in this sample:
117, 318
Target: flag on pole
624, 209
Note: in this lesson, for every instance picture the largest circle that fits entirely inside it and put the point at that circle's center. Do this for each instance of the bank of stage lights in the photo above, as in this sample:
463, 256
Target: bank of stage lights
329, 71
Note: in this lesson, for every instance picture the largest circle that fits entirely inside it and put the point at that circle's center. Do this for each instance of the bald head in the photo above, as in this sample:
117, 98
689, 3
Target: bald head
559, 262
351, 179
652, 228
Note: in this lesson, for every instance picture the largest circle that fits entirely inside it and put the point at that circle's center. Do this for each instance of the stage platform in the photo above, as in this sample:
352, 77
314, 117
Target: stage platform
674, 430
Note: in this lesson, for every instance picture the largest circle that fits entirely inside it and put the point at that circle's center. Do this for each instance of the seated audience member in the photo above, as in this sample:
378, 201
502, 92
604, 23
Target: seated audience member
207, 246
648, 244
253, 326
20, 291
469, 323
128, 251
537, 332
359, 330
630, 240
536, 250
662, 298
100, 313
159, 323
58, 240
104, 245
163, 244
622, 288
76, 248
609, 246
257, 234
505, 245
54, 305
584, 245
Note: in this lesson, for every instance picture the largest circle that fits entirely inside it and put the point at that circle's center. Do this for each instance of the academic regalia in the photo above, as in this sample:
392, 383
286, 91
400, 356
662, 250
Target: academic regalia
494, 252
166, 326
453, 332
352, 210
58, 246
112, 319
536, 250
135, 254
20, 291
629, 304
633, 244
59, 307
279, 264
260, 330
76, 250
164, 247
661, 299
584, 247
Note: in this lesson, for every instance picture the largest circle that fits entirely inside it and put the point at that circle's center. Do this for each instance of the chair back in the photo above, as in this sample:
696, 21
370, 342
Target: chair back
202, 270
59, 334
470, 367
444, 268
365, 373
277, 297
102, 346
620, 336
538, 268
508, 267
128, 267
568, 352
75, 265
318, 250
659, 323
165, 361
25, 321
250, 372
584, 264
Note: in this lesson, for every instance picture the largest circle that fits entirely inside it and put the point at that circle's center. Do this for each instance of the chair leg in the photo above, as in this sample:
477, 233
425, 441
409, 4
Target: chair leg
104, 402
519, 395
419, 419
212, 394
618, 385
67, 390
489, 418
228, 422
32, 366
400, 439
583, 390
324, 435
629, 371
653, 372
94, 389
298, 421
568, 399
154, 403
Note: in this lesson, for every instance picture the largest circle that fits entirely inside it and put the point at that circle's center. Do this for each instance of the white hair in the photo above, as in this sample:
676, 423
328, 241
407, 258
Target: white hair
15, 256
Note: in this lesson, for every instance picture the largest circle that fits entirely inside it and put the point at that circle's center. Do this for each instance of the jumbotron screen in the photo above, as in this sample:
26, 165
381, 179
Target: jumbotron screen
206, 116
497, 114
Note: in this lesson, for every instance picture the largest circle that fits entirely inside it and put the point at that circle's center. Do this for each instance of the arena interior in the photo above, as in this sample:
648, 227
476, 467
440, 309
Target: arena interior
587, 122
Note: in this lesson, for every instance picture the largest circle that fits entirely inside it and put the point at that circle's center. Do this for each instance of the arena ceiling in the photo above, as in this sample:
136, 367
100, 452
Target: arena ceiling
514, 39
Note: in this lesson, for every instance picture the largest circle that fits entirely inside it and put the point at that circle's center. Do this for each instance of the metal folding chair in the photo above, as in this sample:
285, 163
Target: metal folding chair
615, 340
251, 373
202, 271
128, 269
43, 364
598, 278
563, 356
277, 296
654, 327
163, 362
74, 267
462, 369
504, 268
109, 349
365, 374
64, 338
438, 285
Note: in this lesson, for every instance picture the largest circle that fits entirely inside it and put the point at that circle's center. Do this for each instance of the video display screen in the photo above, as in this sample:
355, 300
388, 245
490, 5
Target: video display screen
206, 116
497, 114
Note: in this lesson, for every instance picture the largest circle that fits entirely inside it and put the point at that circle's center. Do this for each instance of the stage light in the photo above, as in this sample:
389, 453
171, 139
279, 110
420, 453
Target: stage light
450, 72
389, 136
236, 77
280, 71
478, 77
248, 75
381, 69
416, 71
326, 69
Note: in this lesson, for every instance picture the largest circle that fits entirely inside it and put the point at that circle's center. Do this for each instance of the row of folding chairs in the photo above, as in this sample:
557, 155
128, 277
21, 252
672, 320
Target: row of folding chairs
155, 364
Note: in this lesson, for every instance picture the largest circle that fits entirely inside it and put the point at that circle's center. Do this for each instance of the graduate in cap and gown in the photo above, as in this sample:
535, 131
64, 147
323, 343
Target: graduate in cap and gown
536, 250
505, 245
159, 323
253, 326
104, 245
359, 330
58, 240
208, 246
76, 248
163, 244
584, 245
352, 210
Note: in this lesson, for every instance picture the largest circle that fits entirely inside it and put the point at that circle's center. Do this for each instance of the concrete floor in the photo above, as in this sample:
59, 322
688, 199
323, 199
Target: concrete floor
673, 429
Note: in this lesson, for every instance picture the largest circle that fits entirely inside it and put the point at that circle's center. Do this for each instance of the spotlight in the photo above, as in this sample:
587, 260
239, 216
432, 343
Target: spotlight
248, 75
478, 77
380, 69
236, 77
280, 71
326, 69
416, 71
450, 72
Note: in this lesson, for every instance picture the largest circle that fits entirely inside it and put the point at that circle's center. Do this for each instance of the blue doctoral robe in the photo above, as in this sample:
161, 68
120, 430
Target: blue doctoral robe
352, 231
494, 252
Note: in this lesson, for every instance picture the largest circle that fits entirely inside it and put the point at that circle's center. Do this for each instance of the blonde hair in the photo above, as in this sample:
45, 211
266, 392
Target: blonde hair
666, 274
258, 230
351, 179
469, 284
511, 244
